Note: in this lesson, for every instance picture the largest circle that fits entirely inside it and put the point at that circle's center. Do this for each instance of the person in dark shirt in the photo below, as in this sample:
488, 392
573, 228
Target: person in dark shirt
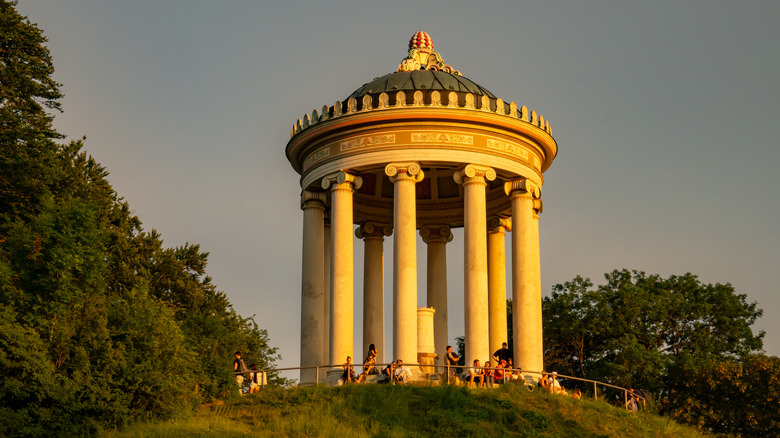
349, 371
388, 371
502, 354
452, 360
239, 369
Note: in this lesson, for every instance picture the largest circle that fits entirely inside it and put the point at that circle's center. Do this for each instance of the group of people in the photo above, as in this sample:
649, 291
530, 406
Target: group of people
477, 376
480, 376
240, 370
395, 372
550, 381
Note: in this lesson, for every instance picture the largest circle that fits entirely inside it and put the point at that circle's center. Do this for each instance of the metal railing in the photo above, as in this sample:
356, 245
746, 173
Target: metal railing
449, 368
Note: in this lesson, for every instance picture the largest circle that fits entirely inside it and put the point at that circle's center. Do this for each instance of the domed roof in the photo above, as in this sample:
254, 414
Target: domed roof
420, 80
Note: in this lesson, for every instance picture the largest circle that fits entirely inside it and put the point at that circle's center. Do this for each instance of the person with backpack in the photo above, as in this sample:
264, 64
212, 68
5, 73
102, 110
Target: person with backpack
239, 369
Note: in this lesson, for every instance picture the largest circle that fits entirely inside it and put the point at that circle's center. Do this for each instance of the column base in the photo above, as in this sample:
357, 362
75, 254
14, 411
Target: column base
333, 377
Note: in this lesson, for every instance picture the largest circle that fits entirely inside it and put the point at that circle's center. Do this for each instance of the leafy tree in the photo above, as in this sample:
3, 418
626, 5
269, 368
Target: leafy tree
739, 397
460, 341
100, 325
644, 331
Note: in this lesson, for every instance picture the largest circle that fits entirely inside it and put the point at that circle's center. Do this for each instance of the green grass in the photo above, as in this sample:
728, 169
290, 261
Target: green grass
398, 411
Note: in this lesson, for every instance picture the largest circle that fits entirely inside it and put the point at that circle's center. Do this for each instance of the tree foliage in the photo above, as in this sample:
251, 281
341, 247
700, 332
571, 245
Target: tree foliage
100, 324
645, 331
734, 396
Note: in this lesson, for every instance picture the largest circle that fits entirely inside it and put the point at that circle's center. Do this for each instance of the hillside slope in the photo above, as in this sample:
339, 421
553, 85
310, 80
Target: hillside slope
397, 411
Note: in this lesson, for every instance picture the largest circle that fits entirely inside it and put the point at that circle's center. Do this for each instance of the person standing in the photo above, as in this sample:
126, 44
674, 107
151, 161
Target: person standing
502, 353
239, 369
452, 361
254, 379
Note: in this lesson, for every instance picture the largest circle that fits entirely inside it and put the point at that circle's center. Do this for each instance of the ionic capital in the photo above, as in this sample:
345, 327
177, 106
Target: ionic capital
522, 187
499, 225
404, 171
473, 173
342, 180
371, 230
436, 234
312, 199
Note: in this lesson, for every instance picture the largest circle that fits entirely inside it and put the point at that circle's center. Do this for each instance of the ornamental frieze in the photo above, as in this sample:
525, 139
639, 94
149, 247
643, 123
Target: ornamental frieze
441, 137
317, 155
504, 146
366, 141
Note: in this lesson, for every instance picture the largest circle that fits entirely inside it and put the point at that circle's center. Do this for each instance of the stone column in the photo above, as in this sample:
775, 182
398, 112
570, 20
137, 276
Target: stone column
342, 186
404, 176
328, 296
474, 179
436, 238
497, 228
312, 284
373, 236
526, 277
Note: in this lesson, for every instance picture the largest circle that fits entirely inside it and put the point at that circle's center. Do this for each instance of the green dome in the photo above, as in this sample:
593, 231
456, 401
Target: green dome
420, 80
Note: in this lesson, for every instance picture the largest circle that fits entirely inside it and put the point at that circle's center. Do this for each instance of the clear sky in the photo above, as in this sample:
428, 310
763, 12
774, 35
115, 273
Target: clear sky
665, 113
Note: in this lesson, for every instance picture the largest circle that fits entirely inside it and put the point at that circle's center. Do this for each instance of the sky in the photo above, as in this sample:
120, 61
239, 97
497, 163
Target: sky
665, 114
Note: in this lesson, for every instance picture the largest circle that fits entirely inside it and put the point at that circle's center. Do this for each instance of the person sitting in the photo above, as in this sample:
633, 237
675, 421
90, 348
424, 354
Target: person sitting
371, 352
488, 373
498, 374
368, 368
577, 394
476, 375
555, 385
388, 371
510, 372
402, 374
349, 371
632, 404
544, 382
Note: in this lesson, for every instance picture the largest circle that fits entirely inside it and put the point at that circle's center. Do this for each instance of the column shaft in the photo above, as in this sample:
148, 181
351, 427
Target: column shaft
342, 280
404, 177
436, 239
526, 279
475, 268
497, 283
373, 287
327, 340
312, 284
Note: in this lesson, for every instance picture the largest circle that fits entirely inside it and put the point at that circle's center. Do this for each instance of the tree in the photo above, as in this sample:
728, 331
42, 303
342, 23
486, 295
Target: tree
27, 91
739, 397
100, 325
644, 331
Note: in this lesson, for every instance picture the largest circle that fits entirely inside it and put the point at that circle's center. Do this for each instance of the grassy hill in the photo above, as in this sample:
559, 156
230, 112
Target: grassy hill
398, 411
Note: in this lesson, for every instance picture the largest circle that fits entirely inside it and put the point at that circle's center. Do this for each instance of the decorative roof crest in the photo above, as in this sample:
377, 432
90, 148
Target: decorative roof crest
423, 57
